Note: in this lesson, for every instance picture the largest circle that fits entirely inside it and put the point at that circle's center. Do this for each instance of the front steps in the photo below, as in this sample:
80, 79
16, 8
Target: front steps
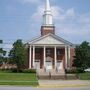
55, 75
52, 74
42, 74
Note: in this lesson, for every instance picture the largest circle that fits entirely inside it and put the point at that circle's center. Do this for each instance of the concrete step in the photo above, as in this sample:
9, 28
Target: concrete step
55, 75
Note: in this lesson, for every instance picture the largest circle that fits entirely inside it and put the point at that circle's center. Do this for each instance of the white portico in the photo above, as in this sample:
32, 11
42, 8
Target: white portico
49, 52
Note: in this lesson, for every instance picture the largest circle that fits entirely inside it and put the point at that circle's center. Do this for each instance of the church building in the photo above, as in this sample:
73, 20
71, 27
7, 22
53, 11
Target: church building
50, 51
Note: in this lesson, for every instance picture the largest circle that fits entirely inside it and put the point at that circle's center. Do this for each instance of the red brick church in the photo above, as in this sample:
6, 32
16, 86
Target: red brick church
50, 51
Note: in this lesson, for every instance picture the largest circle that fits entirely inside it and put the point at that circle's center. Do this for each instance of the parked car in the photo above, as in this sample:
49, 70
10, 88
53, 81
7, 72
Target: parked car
87, 70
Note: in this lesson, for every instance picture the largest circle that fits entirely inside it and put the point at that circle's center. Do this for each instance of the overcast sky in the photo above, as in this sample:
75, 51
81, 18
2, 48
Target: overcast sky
22, 19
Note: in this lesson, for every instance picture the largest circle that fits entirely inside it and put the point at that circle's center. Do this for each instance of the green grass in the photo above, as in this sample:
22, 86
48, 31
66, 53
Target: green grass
84, 76
18, 79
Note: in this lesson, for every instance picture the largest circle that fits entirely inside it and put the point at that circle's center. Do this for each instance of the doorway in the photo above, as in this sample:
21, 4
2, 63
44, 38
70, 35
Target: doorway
59, 65
49, 63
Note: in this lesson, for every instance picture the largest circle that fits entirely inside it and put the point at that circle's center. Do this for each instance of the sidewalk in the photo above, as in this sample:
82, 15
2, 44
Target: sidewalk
64, 83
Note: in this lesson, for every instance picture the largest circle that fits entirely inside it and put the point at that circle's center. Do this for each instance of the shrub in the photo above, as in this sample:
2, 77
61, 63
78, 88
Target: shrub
29, 71
71, 71
5, 70
80, 70
14, 70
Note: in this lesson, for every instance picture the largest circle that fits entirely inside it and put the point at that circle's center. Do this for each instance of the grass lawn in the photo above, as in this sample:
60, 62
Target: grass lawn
18, 79
84, 76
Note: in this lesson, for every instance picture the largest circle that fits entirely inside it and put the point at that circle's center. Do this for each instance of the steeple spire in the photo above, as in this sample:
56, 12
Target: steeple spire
47, 6
48, 26
47, 17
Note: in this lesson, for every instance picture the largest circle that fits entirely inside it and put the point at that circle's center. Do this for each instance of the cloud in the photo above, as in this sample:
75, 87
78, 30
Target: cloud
36, 17
61, 14
8, 46
58, 13
69, 23
76, 30
84, 18
70, 12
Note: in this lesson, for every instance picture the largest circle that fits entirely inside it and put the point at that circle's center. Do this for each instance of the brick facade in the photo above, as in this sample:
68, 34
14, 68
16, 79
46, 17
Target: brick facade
72, 53
39, 56
47, 29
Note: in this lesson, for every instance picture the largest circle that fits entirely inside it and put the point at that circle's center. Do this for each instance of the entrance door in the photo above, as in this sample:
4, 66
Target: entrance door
59, 65
37, 64
48, 63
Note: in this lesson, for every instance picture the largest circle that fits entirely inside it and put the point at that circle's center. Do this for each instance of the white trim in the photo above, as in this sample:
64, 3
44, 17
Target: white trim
55, 55
69, 56
44, 52
52, 35
66, 57
33, 56
30, 57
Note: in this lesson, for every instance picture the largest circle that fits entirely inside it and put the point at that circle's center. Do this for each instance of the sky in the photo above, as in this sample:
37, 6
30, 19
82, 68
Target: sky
22, 19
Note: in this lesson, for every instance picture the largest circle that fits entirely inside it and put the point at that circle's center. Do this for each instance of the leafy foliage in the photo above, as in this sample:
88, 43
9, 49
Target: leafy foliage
2, 54
82, 56
18, 55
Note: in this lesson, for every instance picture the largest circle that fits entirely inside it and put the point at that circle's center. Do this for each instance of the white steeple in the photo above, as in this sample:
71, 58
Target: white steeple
47, 17
47, 6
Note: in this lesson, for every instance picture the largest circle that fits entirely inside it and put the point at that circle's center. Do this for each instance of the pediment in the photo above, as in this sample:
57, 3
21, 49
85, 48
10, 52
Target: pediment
49, 39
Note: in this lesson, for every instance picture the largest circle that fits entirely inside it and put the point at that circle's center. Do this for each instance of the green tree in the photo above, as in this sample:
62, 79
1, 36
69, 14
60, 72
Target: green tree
82, 56
18, 54
2, 54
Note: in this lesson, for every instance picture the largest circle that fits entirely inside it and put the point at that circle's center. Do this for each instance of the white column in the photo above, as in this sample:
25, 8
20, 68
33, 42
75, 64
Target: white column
44, 52
69, 56
33, 56
66, 57
55, 55
30, 57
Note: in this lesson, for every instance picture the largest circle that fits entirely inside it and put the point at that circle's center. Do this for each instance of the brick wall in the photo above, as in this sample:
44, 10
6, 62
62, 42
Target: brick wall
47, 29
72, 53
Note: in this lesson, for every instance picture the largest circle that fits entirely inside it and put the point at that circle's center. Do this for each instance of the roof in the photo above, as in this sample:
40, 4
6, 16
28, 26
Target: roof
49, 39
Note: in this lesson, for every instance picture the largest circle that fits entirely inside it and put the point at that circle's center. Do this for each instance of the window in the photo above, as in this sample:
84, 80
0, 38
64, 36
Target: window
58, 52
38, 50
48, 52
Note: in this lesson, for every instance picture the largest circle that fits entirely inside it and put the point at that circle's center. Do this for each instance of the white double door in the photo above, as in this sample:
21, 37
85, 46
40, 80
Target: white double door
48, 63
59, 65
37, 64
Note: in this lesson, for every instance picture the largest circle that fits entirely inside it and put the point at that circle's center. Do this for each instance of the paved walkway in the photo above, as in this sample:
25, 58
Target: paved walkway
63, 83
34, 88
